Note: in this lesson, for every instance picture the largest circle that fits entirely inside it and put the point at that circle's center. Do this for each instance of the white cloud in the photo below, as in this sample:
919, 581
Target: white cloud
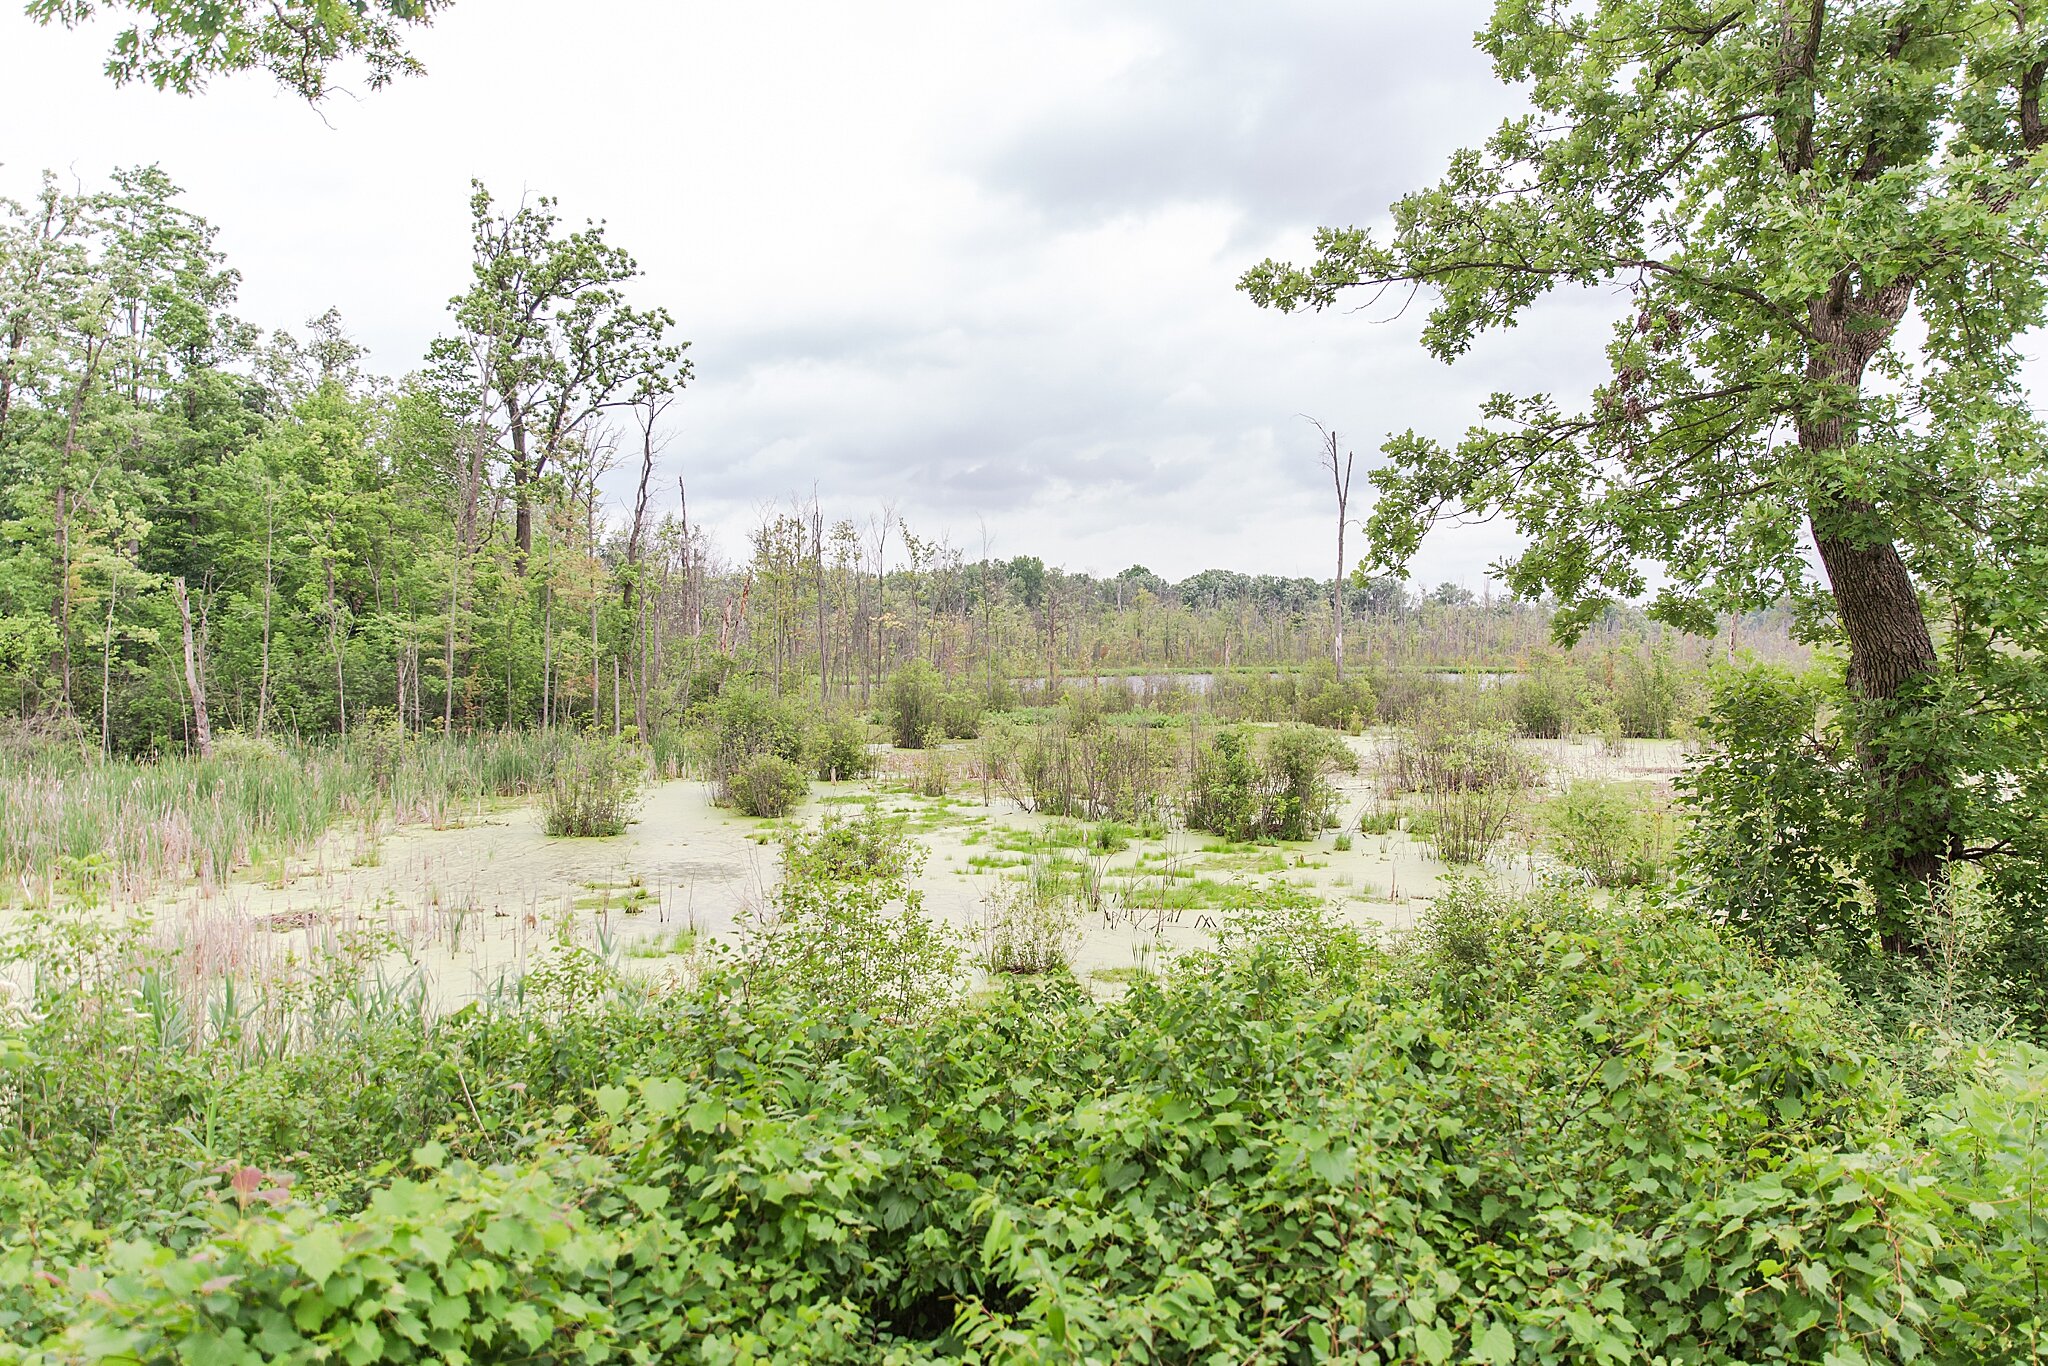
975, 260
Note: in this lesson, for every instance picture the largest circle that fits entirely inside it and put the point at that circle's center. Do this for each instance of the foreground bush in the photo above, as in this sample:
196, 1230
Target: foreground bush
1550, 1133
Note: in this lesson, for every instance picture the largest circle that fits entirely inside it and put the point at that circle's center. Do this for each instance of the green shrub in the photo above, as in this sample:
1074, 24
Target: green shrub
913, 702
934, 773
839, 749
1029, 925
1223, 793
1275, 787
1609, 832
1080, 764
748, 723
1545, 698
1297, 763
848, 930
595, 786
960, 715
768, 785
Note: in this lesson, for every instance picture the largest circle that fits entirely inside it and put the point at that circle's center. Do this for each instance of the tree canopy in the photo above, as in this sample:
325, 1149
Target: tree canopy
180, 44
1826, 218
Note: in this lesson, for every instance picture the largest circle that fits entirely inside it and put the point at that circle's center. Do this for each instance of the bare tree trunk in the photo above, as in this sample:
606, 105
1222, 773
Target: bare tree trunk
62, 511
818, 561
263, 680
107, 661
195, 682
590, 550
1340, 478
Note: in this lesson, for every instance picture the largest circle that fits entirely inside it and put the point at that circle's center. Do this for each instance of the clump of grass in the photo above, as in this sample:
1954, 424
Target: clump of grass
1032, 925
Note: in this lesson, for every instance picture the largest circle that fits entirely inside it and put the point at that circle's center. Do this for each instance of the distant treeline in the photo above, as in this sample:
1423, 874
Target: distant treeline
208, 527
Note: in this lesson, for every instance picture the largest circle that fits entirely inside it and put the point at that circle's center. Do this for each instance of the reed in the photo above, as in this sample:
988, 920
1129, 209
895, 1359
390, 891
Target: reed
118, 832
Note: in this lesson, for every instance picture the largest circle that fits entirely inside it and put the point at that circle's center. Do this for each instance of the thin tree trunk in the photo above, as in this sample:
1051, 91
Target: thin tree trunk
334, 644
107, 661
263, 678
195, 682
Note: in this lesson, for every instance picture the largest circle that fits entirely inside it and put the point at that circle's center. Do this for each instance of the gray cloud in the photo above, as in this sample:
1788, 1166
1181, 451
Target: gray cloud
977, 261
1292, 112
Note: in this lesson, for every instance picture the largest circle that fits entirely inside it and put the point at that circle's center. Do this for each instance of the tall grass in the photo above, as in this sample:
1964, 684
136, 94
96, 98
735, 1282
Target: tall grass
120, 831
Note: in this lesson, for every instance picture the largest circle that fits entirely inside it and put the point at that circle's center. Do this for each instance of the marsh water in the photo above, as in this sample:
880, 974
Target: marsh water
471, 907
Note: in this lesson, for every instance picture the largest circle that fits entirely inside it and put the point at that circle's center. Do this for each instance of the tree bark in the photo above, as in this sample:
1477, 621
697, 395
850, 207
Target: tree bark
1891, 648
195, 681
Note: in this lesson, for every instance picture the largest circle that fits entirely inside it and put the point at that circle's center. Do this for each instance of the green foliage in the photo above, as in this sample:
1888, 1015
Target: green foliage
1473, 782
747, 724
1781, 843
1272, 785
767, 785
847, 928
1083, 764
960, 713
1611, 832
180, 44
1315, 697
1029, 925
1223, 795
913, 703
594, 788
839, 749
1546, 697
1295, 1145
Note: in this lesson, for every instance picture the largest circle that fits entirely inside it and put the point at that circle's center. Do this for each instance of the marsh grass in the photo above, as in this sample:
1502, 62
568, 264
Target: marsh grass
119, 831
1030, 925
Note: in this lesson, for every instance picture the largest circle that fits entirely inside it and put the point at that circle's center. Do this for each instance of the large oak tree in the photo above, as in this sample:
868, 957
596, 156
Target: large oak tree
1826, 217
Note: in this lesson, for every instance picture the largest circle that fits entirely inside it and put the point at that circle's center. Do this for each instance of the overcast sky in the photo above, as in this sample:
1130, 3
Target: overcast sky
975, 260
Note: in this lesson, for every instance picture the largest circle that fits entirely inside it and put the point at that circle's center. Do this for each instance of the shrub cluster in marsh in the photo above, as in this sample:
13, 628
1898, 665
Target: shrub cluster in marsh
913, 706
839, 749
1473, 782
746, 724
1083, 763
767, 786
1642, 693
752, 1168
1314, 697
1274, 784
1614, 833
1030, 925
845, 925
594, 787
